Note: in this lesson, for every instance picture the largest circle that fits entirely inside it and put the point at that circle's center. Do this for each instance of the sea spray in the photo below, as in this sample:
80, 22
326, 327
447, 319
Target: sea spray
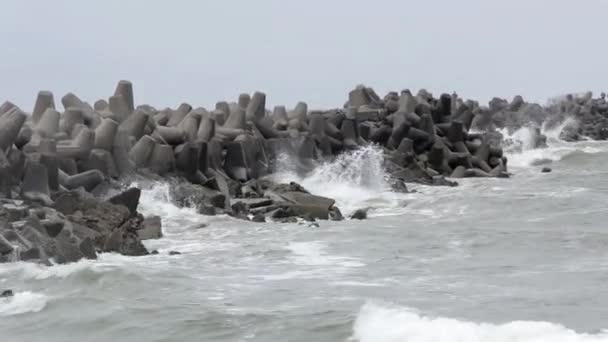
355, 179
22, 302
519, 145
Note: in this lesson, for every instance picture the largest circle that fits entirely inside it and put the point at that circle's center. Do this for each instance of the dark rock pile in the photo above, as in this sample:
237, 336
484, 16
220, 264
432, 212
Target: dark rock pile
51, 161
589, 116
75, 226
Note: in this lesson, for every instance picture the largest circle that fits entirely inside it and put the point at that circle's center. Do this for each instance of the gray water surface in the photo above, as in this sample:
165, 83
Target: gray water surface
531, 248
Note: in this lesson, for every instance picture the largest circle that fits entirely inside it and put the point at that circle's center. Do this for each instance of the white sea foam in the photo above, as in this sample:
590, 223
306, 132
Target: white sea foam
521, 151
22, 302
313, 254
354, 179
156, 200
382, 323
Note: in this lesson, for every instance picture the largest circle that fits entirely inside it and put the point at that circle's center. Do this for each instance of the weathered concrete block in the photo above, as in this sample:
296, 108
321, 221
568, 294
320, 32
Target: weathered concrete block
206, 129
236, 120
141, 151
44, 101
358, 97
162, 160
125, 89
235, 162
119, 107
300, 112
187, 158
190, 125
244, 100
120, 152
456, 132
88, 180
105, 134
135, 124
79, 147
48, 124
101, 105
179, 114
10, 126
48, 158
6, 107
171, 135
92, 119
102, 160
256, 110
35, 186
71, 117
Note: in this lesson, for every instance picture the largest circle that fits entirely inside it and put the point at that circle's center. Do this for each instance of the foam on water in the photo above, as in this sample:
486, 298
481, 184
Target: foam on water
156, 200
521, 152
313, 254
383, 323
21, 303
354, 179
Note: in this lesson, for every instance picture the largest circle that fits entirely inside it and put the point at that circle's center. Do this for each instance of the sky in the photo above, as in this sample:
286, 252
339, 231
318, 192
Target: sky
201, 52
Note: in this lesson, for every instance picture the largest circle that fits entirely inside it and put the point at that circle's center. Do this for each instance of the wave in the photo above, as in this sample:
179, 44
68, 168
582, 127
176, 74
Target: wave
355, 179
22, 302
313, 254
381, 323
519, 146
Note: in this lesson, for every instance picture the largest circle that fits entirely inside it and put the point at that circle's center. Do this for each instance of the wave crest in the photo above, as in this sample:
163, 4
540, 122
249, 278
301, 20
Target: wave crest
377, 323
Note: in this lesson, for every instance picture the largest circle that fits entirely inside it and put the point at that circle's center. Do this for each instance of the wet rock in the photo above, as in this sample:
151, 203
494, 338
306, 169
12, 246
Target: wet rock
335, 214
151, 228
174, 253
87, 248
546, 170
5, 246
258, 218
6, 294
192, 195
360, 214
129, 199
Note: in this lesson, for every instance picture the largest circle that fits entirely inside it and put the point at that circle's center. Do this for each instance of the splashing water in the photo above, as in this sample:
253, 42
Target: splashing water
354, 179
520, 145
380, 323
22, 302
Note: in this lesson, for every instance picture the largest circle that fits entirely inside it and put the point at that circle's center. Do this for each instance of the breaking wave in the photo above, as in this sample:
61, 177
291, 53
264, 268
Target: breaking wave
355, 179
21, 303
520, 146
379, 323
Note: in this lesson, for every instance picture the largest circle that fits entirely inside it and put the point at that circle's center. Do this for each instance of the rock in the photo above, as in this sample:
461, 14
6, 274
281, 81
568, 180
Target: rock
307, 204
151, 228
113, 242
6, 293
360, 214
174, 253
258, 218
68, 249
335, 214
52, 227
192, 195
129, 198
87, 248
5, 246
546, 170
154, 252
35, 186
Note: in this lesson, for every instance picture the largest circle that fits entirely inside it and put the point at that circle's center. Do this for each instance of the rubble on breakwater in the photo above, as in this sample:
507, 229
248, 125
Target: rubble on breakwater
55, 164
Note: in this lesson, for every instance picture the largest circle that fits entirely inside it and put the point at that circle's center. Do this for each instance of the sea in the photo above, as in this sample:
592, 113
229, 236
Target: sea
522, 259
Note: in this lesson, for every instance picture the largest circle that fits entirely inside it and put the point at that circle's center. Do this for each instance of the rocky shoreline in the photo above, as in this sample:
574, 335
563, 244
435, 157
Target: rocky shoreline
589, 116
58, 170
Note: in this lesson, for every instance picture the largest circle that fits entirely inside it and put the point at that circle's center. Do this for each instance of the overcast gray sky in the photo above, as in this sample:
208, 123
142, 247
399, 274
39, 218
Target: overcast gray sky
314, 50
